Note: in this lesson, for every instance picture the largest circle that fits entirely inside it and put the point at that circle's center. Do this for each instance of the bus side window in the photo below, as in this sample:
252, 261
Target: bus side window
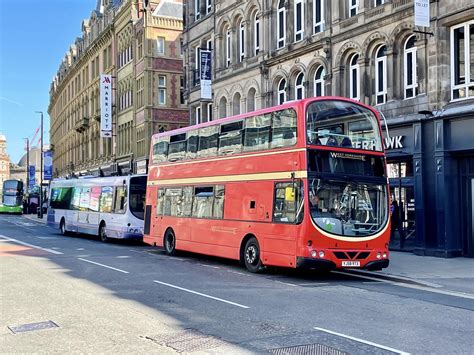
203, 200
208, 141
76, 198
106, 199
177, 147
160, 150
120, 204
160, 202
192, 144
288, 206
257, 132
218, 208
283, 128
173, 201
187, 201
230, 138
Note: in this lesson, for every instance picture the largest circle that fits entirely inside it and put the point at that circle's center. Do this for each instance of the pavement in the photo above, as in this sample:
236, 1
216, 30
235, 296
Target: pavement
455, 274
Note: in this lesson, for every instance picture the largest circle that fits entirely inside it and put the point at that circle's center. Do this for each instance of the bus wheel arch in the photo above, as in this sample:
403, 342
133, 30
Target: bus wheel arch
169, 242
250, 254
103, 232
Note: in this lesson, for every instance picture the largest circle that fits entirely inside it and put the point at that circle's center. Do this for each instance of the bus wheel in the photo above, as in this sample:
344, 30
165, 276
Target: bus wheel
62, 227
170, 243
252, 260
103, 233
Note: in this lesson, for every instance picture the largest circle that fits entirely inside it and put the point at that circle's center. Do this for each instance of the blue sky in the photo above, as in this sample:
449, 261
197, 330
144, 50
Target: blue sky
34, 36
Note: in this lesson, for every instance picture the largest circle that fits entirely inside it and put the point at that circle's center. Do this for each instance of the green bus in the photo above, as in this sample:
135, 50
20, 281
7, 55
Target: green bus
12, 197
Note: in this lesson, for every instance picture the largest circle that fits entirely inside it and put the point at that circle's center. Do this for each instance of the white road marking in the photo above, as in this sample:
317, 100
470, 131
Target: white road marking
123, 256
315, 284
201, 294
362, 341
212, 267
286, 283
108, 267
416, 287
30, 245
80, 249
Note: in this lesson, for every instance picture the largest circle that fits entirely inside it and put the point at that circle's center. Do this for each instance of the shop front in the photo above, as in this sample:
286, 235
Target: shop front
399, 152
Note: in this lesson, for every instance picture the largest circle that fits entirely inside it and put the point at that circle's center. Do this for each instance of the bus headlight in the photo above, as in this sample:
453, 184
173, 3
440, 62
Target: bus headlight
313, 253
379, 255
321, 254
384, 255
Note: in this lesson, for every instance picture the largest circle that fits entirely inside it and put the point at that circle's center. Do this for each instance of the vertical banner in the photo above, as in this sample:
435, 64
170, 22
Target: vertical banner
422, 13
105, 106
205, 75
48, 165
32, 176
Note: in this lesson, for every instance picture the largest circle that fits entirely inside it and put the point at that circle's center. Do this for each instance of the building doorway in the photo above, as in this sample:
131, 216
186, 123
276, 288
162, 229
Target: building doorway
467, 205
402, 194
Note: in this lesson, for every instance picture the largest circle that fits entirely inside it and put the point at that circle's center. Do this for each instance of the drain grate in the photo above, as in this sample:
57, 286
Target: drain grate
188, 341
30, 327
309, 349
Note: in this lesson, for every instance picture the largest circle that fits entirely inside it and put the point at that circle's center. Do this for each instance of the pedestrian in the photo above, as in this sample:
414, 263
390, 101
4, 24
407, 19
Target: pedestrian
395, 218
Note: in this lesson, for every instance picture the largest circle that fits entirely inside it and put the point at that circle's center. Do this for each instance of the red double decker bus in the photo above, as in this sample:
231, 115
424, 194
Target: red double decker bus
302, 184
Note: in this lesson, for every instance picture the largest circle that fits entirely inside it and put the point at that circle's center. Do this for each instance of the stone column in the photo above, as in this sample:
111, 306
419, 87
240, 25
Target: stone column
390, 73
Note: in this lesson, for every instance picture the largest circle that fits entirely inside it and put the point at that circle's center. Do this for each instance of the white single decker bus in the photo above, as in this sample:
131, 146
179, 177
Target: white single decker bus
110, 207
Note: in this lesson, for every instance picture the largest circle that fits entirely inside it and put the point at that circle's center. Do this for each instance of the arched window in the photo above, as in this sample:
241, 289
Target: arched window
236, 104
241, 40
223, 107
354, 77
251, 100
256, 34
381, 75
282, 92
319, 81
299, 87
409, 68
281, 24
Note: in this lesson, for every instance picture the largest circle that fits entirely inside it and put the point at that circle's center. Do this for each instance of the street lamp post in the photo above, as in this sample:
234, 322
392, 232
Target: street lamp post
27, 164
40, 215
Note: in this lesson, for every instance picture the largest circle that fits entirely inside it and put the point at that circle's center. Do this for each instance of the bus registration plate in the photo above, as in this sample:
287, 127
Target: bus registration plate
351, 263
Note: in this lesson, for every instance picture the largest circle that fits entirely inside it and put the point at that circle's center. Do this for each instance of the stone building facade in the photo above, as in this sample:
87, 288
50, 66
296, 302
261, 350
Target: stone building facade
4, 161
265, 52
121, 38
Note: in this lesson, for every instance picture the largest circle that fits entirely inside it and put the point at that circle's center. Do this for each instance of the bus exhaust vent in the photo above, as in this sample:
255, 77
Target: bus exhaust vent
309, 349
345, 255
187, 341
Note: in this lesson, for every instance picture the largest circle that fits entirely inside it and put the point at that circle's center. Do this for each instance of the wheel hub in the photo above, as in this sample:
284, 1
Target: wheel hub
251, 254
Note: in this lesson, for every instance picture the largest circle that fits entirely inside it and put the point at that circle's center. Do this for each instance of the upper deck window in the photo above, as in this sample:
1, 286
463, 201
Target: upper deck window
283, 128
230, 139
265, 131
342, 124
177, 147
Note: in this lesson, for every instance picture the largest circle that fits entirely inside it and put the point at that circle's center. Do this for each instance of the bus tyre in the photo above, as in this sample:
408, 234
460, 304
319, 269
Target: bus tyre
252, 260
103, 233
62, 227
170, 243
